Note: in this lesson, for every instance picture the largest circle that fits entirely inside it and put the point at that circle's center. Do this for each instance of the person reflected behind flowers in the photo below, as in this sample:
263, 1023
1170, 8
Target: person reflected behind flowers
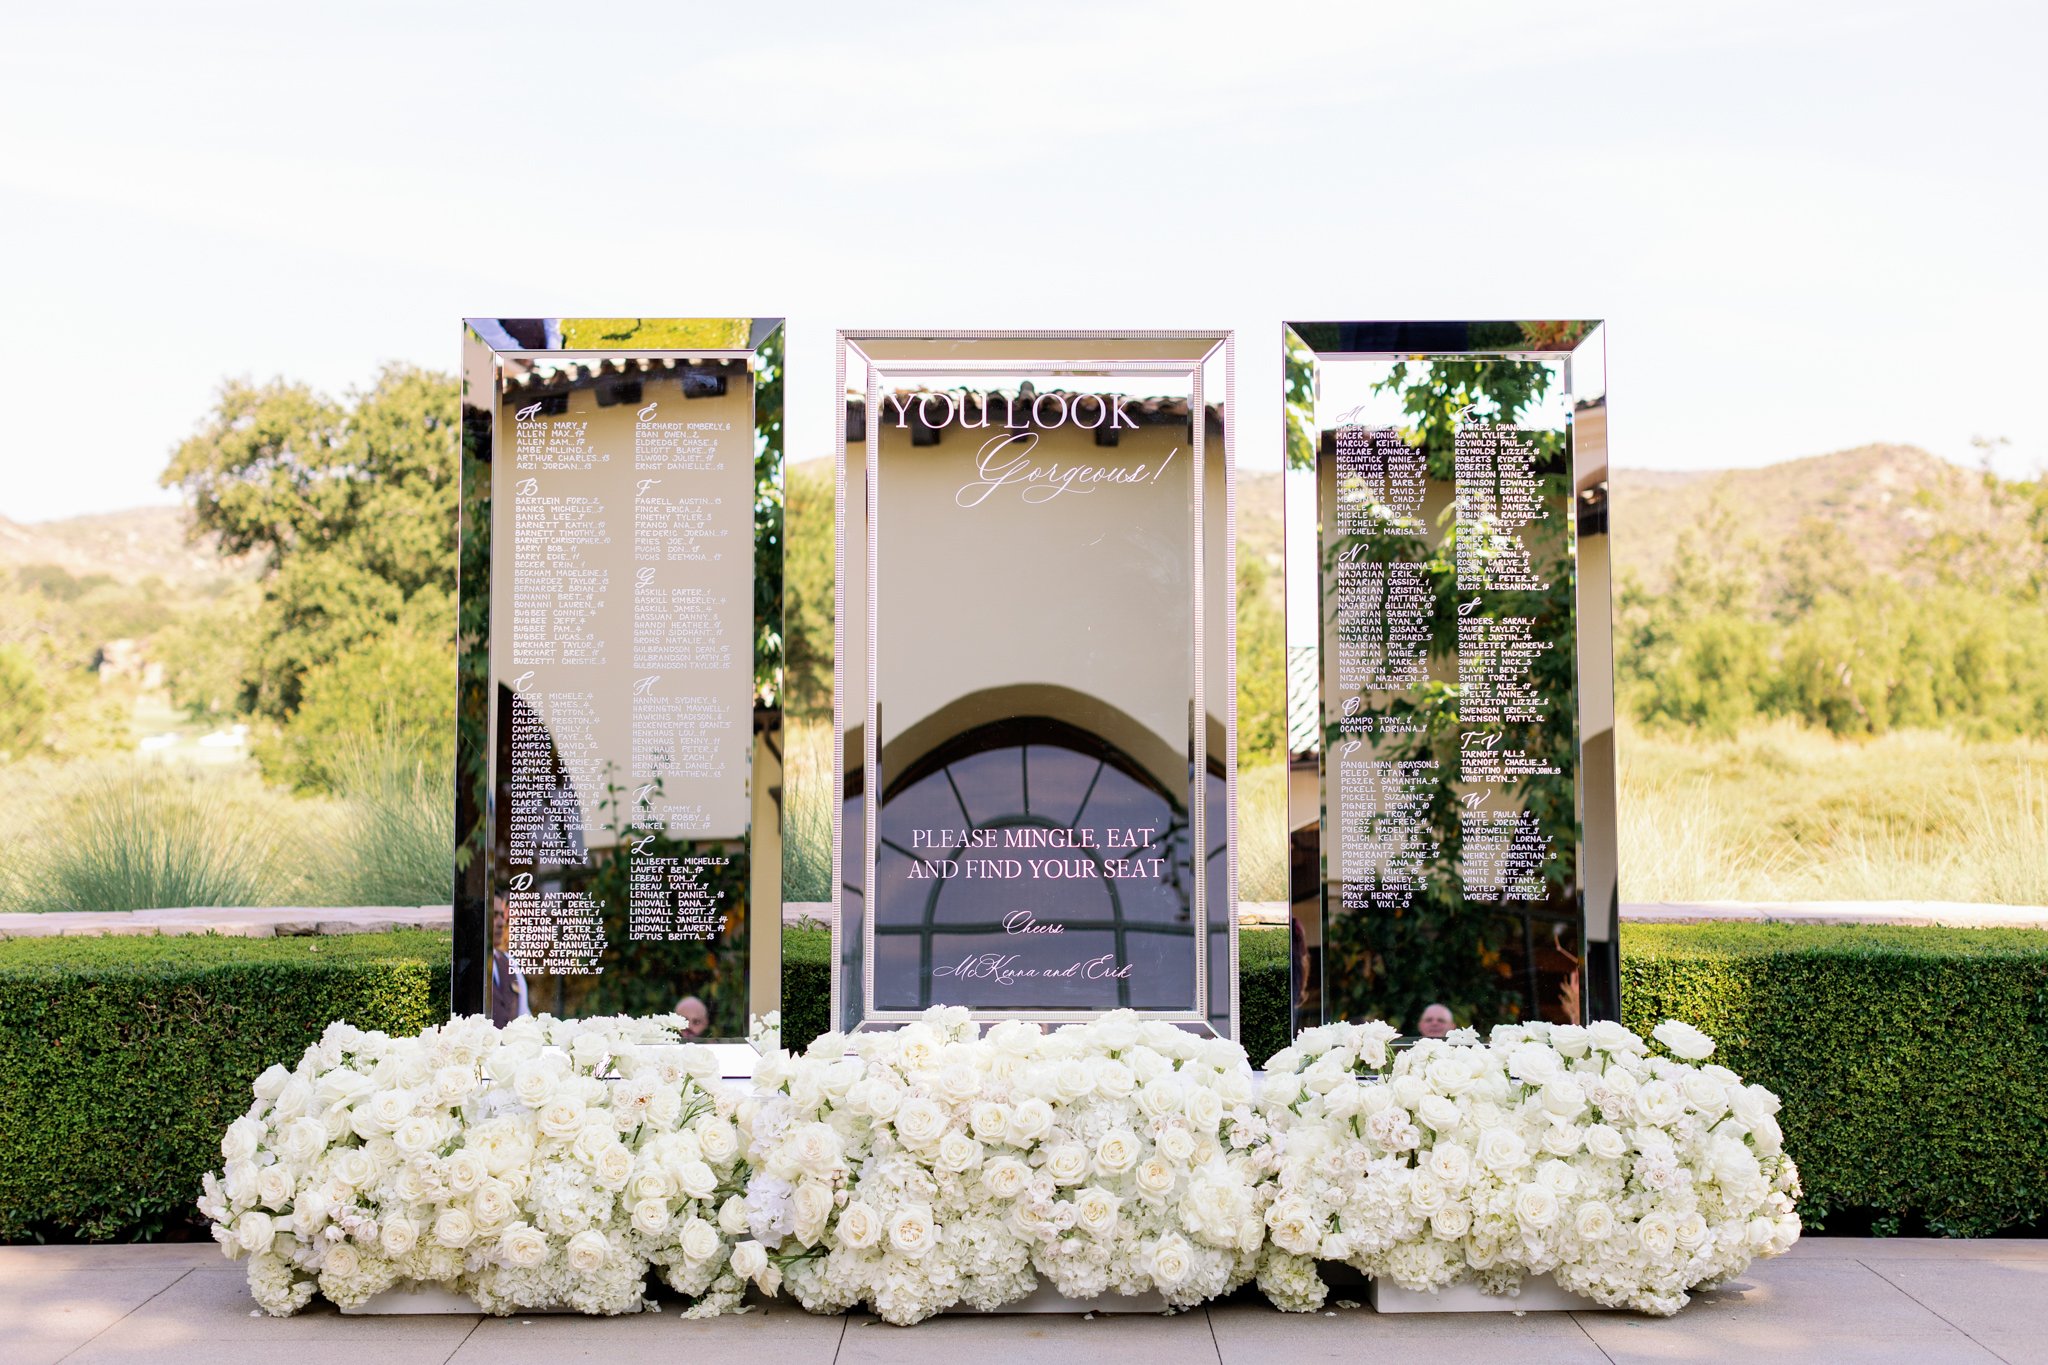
1436, 1021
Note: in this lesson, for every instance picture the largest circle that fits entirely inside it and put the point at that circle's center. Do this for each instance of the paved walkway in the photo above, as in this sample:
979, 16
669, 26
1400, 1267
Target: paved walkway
1831, 1300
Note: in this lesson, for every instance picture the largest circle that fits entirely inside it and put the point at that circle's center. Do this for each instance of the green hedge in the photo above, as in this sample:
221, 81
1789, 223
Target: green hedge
123, 1059
1913, 1062
1261, 988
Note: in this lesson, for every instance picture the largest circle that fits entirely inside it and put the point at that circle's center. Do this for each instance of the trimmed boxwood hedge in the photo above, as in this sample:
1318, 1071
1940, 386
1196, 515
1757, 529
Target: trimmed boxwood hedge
123, 1059
1261, 988
1913, 1061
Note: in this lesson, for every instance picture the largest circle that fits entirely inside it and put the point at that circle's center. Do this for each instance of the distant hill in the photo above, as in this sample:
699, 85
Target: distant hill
1887, 499
142, 542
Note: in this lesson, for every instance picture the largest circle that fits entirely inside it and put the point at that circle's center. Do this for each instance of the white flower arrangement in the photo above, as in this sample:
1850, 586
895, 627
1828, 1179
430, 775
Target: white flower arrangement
1631, 1178
549, 1163
556, 1163
939, 1166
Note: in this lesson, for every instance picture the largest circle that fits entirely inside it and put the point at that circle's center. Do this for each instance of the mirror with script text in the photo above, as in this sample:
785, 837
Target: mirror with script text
619, 726
1451, 793
1035, 686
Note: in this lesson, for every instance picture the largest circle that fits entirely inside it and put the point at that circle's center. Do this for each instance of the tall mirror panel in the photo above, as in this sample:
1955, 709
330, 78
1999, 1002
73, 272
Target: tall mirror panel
1453, 860
619, 765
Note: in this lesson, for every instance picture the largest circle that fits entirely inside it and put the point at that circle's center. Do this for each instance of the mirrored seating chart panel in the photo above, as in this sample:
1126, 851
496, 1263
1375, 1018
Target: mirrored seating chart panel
1035, 686
619, 733
1457, 689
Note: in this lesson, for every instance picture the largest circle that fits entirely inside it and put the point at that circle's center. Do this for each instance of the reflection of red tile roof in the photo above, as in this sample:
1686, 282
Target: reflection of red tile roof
548, 376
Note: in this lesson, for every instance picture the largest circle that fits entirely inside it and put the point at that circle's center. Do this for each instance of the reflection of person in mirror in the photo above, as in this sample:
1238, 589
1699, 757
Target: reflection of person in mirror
696, 1019
1436, 1021
508, 985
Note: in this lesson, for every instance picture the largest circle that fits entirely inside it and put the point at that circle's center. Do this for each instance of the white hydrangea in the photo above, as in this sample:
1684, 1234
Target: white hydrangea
548, 1163
1576, 1152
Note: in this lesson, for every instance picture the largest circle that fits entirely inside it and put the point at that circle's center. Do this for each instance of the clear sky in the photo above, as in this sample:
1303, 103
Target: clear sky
1810, 225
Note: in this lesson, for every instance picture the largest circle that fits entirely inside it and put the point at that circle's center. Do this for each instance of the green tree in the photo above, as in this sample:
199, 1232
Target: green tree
1261, 666
24, 704
352, 505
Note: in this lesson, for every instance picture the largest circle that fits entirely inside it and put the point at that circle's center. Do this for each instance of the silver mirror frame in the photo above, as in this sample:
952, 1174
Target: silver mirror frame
864, 361
1580, 346
493, 349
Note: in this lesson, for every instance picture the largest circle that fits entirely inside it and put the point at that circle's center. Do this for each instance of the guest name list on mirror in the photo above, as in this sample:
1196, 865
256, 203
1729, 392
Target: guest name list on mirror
628, 681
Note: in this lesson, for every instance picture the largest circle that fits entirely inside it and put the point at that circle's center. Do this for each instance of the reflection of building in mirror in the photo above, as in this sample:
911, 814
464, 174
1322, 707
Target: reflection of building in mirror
1026, 568
610, 531
1438, 853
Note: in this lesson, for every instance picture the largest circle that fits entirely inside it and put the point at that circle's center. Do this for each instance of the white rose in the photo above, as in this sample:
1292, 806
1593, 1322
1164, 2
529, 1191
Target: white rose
464, 1171
1293, 1225
1569, 1039
749, 1259
1594, 1222
341, 1261
1204, 1108
1536, 1205
523, 1246
1154, 1176
650, 1217
302, 1139
453, 1227
1563, 1096
254, 1231
588, 1251
1452, 1221
1072, 1080
416, 1134
1177, 1144
1450, 1164
699, 1240
1030, 1121
1560, 1177
1608, 1036
561, 1117
696, 1180
1173, 1260
1095, 1209
1067, 1163
1683, 1040
614, 1166
919, 1121
492, 1204
1439, 1112
1115, 1080
398, 1235
1005, 1177
1534, 1063
1657, 1233
990, 1121
1660, 1102
241, 1140
860, 1227
812, 1204
1691, 1232
1606, 1143
1117, 1152
911, 1231
274, 1188
717, 1139
1502, 1151
732, 1216
1159, 1098
958, 1152
352, 1167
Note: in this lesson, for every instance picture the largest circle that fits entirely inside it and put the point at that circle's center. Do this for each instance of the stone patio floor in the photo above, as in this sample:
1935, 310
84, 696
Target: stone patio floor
1832, 1299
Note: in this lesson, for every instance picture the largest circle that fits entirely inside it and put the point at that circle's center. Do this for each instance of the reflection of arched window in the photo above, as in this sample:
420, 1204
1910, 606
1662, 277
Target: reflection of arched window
1017, 789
